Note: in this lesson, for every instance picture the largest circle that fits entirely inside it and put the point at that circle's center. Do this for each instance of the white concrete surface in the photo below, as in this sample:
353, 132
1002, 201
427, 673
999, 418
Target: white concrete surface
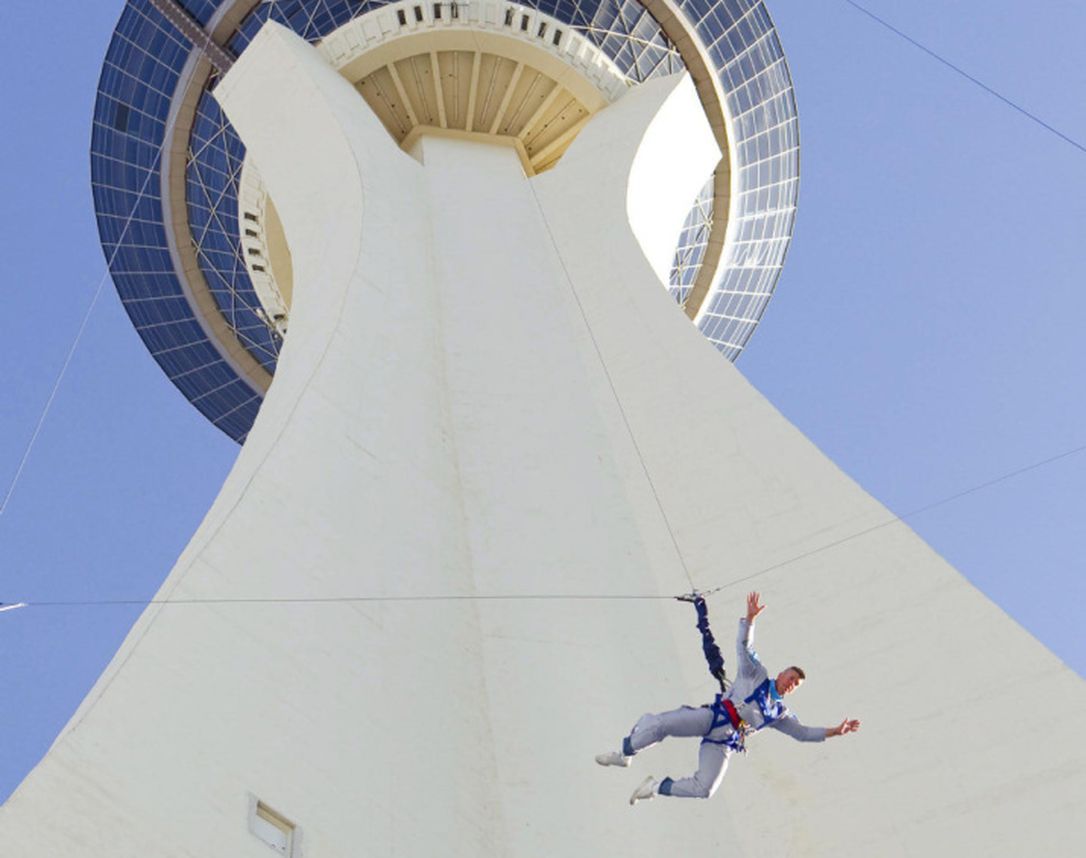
485, 393
659, 185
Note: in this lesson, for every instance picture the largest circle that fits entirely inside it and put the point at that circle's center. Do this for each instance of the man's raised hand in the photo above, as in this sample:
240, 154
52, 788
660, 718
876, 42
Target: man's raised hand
753, 608
846, 726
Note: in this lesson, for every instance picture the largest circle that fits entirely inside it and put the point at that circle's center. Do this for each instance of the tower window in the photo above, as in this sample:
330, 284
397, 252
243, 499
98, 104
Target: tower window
542, 30
418, 13
272, 828
524, 23
252, 217
401, 17
557, 37
120, 117
437, 11
509, 17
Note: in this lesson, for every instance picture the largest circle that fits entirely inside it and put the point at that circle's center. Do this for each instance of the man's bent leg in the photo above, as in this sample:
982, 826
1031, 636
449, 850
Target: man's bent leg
712, 763
651, 729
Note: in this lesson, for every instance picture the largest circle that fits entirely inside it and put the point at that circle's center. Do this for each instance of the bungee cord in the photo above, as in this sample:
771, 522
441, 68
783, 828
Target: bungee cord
13, 484
152, 171
546, 597
611, 384
52, 394
959, 70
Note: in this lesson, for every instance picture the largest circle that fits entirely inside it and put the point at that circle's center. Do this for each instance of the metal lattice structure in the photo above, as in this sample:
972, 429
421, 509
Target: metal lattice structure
692, 243
212, 174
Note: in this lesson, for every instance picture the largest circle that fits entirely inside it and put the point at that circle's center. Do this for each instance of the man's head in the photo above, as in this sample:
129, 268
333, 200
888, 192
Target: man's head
788, 680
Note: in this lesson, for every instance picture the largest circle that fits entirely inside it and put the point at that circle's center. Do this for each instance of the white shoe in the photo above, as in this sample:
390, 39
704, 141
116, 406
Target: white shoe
647, 789
614, 758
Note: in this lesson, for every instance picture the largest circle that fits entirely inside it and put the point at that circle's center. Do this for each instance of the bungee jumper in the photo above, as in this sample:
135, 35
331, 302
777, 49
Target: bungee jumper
750, 703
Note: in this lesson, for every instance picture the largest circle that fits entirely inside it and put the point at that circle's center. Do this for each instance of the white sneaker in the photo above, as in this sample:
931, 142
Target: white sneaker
614, 758
647, 789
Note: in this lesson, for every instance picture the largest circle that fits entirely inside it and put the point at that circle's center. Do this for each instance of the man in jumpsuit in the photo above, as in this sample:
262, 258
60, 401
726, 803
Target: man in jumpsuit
753, 702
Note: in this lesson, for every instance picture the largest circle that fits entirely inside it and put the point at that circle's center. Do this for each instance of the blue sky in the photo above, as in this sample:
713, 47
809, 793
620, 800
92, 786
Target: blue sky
926, 333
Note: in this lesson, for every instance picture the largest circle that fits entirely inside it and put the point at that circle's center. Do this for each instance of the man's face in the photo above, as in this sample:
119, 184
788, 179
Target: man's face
787, 681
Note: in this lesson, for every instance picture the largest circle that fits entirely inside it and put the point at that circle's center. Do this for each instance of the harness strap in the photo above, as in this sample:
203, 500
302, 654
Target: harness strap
737, 723
724, 713
772, 710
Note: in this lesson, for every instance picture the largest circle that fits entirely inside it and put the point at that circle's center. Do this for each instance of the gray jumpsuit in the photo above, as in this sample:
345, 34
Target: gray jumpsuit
755, 698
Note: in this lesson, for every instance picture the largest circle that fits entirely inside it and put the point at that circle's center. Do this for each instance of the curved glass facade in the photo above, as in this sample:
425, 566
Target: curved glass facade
138, 82
140, 78
746, 51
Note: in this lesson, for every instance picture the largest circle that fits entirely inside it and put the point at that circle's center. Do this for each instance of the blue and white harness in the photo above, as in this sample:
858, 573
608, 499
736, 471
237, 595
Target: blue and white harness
769, 705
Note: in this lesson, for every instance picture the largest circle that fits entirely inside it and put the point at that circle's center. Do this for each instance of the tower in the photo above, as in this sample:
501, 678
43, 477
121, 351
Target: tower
438, 578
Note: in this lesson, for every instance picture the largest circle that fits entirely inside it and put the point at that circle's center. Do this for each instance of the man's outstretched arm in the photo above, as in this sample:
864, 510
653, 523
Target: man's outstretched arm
744, 647
790, 726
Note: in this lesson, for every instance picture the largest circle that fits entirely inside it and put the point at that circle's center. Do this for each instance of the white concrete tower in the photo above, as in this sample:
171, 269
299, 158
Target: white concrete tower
438, 579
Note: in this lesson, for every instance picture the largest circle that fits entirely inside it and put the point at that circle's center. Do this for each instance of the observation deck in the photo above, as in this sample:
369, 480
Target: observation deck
193, 242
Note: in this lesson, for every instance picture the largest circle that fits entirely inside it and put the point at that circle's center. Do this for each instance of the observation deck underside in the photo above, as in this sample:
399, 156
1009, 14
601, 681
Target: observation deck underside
168, 167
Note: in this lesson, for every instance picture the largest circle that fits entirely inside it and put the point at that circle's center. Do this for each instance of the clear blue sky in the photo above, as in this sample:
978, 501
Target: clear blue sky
926, 333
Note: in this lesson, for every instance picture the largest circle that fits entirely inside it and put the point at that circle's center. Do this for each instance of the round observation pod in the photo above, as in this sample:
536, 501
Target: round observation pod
193, 240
